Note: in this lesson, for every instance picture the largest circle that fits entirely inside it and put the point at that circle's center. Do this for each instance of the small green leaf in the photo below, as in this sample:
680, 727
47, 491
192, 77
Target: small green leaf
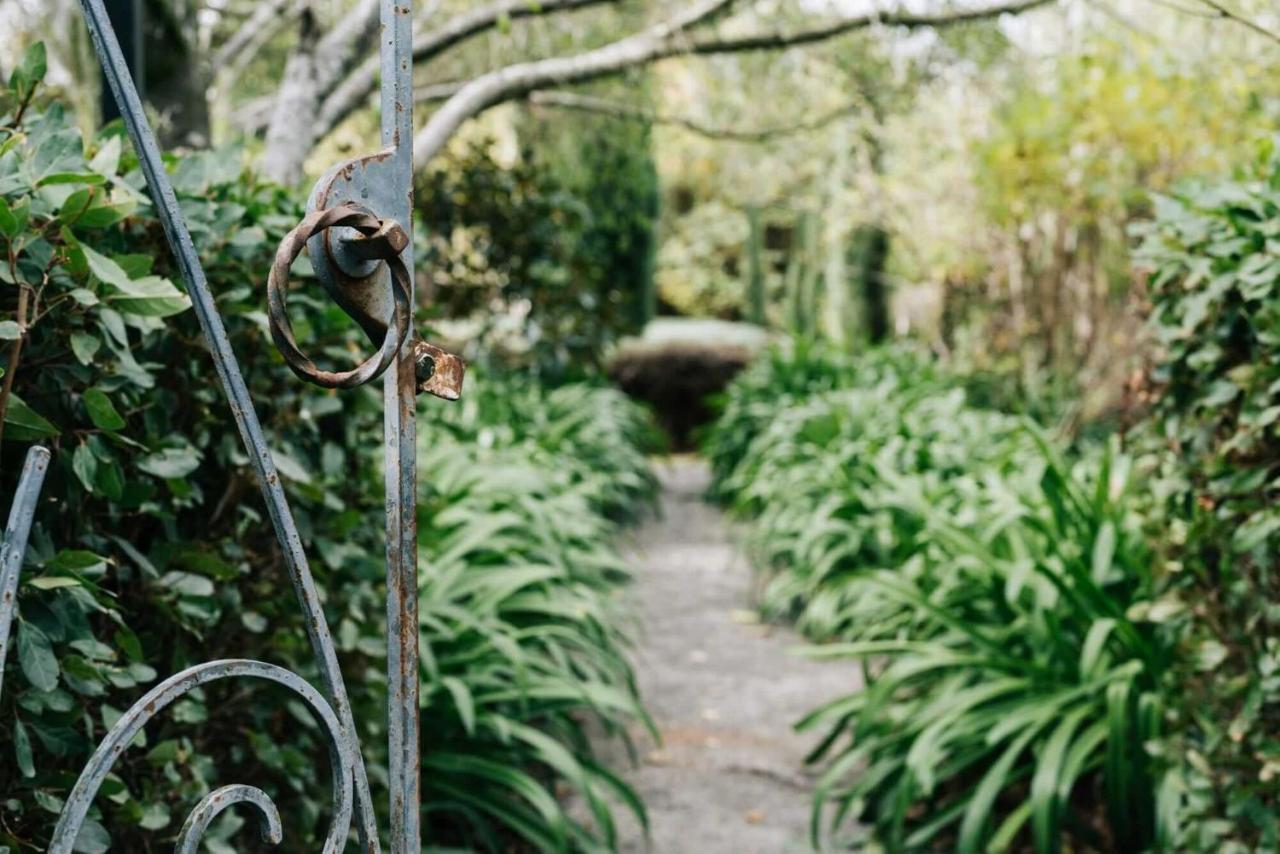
93, 838
254, 622
49, 803
53, 582
54, 178
154, 817
33, 66
85, 347
24, 424
110, 481
102, 411
107, 160
35, 656
290, 468
22, 750
85, 465
150, 296
187, 584
109, 213
171, 463
106, 270
128, 641
77, 561
10, 330
8, 222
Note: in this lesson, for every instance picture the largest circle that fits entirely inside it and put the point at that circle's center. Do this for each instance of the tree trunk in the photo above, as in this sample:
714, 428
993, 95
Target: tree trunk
868, 255
287, 145
176, 78
755, 267
315, 68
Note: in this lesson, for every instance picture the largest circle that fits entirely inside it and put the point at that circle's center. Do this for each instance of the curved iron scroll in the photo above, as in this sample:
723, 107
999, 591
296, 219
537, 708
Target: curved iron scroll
373, 196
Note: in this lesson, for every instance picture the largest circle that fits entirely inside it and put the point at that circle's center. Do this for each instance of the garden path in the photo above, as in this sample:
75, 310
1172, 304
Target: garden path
723, 689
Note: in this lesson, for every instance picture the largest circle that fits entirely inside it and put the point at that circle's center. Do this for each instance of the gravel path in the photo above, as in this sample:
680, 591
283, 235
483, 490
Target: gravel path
728, 775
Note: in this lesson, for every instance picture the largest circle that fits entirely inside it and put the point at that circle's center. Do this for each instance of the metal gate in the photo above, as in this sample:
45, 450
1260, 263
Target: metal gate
357, 232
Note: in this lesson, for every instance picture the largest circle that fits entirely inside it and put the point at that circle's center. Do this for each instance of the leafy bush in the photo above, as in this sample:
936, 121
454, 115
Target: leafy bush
592, 434
1215, 292
824, 483
152, 551
782, 377
998, 599
543, 268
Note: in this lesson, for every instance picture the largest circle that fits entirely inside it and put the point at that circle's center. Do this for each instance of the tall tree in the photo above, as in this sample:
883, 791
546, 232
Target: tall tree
707, 27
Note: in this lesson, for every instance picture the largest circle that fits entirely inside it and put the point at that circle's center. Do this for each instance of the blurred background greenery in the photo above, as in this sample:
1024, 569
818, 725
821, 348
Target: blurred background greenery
1054, 500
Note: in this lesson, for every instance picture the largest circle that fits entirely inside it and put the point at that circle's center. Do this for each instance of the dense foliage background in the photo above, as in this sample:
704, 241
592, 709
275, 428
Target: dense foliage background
1210, 253
1043, 533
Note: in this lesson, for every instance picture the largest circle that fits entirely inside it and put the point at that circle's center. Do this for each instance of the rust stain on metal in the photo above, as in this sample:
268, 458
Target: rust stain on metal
438, 371
383, 240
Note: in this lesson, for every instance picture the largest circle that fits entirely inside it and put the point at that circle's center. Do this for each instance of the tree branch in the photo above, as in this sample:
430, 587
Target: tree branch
503, 84
266, 19
465, 100
349, 95
618, 110
1223, 12
783, 39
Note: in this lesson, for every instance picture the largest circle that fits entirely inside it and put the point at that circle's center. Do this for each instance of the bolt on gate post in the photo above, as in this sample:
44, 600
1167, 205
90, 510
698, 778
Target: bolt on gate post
358, 234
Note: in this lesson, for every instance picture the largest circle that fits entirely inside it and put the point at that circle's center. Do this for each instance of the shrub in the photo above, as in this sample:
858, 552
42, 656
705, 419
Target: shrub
1215, 293
152, 551
784, 376
547, 268
998, 600
824, 483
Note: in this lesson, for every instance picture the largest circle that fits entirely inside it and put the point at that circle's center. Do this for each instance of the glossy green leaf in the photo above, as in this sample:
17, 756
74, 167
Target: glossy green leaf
24, 424
102, 411
36, 657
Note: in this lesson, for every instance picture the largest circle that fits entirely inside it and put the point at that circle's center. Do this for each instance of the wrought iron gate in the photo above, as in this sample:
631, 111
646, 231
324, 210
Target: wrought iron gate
357, 233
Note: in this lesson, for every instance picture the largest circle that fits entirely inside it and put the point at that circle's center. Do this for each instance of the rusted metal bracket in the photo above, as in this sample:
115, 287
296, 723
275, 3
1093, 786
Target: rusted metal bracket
342, 257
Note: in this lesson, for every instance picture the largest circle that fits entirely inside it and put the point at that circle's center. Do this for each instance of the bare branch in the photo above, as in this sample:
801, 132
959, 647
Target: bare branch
1179, 8
615, 109
340, 46
355, 90
266, 20
471, 98
783, 38
1223, 12
668, 39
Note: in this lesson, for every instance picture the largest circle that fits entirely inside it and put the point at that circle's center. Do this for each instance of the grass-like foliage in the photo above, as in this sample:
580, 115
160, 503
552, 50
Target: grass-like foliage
783, 377
990, 592
524, 639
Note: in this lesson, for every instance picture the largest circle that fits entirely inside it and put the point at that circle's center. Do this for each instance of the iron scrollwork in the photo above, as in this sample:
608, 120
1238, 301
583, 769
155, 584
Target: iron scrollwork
362, 255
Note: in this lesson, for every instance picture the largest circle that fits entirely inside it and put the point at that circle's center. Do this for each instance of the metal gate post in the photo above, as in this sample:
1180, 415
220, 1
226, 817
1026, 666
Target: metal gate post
384, 184
358, 234
400, 435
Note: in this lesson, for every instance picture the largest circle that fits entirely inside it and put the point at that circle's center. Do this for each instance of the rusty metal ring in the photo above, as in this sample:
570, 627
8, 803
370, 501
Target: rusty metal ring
366, 223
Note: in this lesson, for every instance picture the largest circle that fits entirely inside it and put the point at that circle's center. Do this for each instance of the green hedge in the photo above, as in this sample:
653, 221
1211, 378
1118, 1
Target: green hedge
1213, 257
152, 550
